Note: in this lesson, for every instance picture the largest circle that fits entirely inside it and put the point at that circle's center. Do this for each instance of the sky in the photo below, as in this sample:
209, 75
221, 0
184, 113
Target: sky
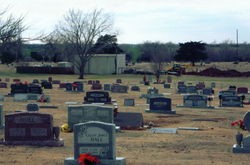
138, 21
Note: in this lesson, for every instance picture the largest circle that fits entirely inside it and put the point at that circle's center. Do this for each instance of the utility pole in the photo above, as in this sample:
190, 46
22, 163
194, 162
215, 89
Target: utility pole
237, 44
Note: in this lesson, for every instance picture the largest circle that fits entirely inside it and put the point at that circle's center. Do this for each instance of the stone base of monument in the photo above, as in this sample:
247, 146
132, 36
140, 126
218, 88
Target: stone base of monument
240, 149
117, 161
203, 107
161, 111
49, 143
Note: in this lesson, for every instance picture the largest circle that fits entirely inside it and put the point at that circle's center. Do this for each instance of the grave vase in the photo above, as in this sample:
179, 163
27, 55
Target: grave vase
239, 138
56, 132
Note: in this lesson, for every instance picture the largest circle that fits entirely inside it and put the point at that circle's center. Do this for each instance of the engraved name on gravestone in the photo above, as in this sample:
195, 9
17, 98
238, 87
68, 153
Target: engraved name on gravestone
84, 113
231, 101
97, 97
195, 101
242, 90
129, 102
97, 138
117, 88
160, 105
28, 126
107, 87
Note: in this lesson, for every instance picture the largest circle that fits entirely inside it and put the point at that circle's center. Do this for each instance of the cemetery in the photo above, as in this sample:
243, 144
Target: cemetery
154, 129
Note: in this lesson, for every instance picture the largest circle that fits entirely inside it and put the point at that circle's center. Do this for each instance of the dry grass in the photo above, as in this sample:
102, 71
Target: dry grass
211, 145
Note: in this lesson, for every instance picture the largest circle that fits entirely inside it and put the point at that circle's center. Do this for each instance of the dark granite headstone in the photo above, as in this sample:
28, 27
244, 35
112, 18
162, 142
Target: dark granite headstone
31, 128
35, 88
1, 116
160, 105
19, 88
97, 97
56, 82
46, 85
35, 81
117, 88
182, 88
135, 88
32, 107
96, 86
68, 87
3, 85
129, 120
118, 81
191, 89
207, 91
242, 90
166, 85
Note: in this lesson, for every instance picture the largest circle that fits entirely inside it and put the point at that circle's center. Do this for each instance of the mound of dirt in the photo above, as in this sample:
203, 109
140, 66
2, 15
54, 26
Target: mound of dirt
214, 72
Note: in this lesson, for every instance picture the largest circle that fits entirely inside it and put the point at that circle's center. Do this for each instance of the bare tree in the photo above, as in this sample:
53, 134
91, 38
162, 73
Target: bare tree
11, 30
80, 31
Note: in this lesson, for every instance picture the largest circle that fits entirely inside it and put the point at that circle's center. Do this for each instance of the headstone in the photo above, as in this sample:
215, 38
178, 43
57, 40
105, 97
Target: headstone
50, 79
84, 113
129, 120
35, 88
31, 128
181, 88
7, 79
207, 91
160, 105
32, 107
1, 116
107, 87
167, 85
117, 88
200, 85
232, 87
3, 85
96, 86
97, 139
1, 97
152, 91
227, 93
56, 82
244, 147
90, 82
135, 88
20, 97
147, 83
195, 101
62, 85
118, 81
46, 85
191, 89
169, 79
16, 80
35, 81
213, 85
77, 86
18, 88
129, 102
242, 90
68, 87
97, 97
231, 101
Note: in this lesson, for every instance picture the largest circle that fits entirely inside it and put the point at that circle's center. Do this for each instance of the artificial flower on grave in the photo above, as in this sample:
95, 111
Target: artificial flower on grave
87, 159
239, 124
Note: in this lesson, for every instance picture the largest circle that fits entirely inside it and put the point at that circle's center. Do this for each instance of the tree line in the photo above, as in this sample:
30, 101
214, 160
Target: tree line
80, 35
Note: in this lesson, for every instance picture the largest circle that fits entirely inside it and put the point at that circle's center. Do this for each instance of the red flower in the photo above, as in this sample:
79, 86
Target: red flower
239, 123
87, 159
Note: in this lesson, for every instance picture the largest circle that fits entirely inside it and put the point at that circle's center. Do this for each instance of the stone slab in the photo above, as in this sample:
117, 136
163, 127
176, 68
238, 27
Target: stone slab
117, 161
164, 130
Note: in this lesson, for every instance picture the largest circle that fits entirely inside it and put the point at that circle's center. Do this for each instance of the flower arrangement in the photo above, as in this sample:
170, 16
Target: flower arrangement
87, 159
239, 123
